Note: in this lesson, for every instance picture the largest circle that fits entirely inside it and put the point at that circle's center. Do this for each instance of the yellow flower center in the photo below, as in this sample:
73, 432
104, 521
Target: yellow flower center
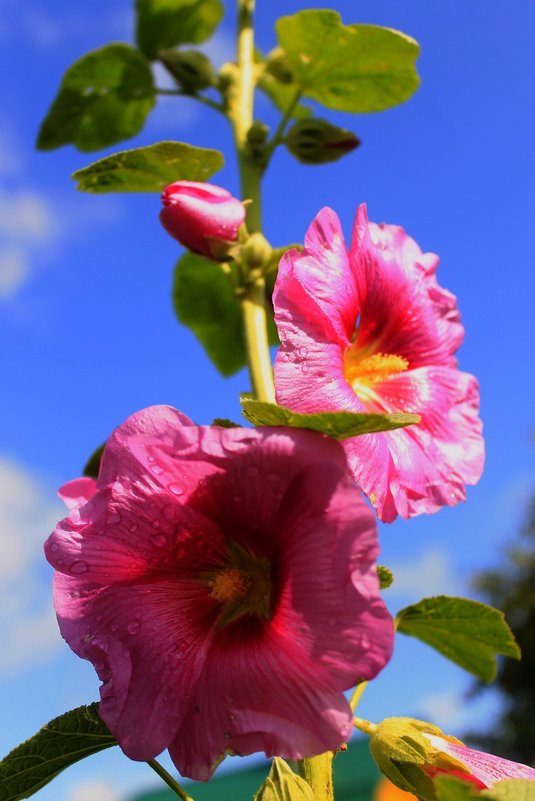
363, 372
230, 584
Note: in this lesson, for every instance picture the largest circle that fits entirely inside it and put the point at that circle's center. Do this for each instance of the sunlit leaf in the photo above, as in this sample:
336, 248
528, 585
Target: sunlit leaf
149, 169
355, 68
104, 98
469, 633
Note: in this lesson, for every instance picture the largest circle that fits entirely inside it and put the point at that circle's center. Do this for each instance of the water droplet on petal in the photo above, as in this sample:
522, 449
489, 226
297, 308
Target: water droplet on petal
59, 562
157, 470
54, 547
159, 540
155, 524
78, 567
133, 527
252, 470
133, 627
365, 641
303, 351
114, 627
176, 489
113, 519
305, 368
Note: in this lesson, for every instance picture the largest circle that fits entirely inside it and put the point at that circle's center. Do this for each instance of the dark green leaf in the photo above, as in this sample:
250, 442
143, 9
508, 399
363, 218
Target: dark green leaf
204, 301
282, 784
92, 465
62, 742
166, 23
103, 98
149, 169
340, 425
224, 422
469, 633
355, 68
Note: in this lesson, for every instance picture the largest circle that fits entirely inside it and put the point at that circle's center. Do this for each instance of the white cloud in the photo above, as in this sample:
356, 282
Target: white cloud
14, 270
27, 215
92, 790
446, 709
431, 573
27, 515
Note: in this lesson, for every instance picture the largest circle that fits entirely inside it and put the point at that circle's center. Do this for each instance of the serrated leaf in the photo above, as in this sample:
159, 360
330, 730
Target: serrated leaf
62, 742
469, 633
104, 98
166, 23
149, 169
282, 784
205, 302
340, 425
355, 68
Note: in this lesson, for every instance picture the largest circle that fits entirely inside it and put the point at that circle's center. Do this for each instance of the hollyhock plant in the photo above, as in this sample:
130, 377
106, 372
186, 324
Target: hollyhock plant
223, 584
198, 213
371, 330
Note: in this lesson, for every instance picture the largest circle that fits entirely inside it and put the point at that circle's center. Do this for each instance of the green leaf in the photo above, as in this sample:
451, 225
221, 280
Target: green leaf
469, 633
511, 790
62, 742
282, 95
166, 23
355, 68
282, 784
149, 169
340, 425
385, 576
92, 466
204, 301
103, 98
451, 788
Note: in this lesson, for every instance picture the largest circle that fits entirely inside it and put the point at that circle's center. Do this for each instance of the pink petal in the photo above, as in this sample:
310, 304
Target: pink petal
77, 492
487, 768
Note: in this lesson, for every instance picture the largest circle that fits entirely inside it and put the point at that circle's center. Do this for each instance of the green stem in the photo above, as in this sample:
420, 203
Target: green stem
201, 98
357, 695
318, 772
240, 110
364, 725
168, 779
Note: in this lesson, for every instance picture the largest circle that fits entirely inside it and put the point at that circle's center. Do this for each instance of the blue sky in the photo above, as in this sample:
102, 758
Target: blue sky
88, 334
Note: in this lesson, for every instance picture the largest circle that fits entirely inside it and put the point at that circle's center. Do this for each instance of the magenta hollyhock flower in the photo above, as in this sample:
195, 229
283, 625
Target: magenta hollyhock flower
198, 213
223, 584
370, 330
482, 769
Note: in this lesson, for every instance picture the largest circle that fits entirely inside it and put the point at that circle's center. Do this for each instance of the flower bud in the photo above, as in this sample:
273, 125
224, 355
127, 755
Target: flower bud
201, 215
278, 66
317, 141
256, 251
192, 70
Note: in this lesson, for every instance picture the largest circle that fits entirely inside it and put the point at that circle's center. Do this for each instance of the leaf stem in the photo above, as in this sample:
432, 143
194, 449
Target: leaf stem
318, 772
277, 137
364, 725
201, 98
168, 779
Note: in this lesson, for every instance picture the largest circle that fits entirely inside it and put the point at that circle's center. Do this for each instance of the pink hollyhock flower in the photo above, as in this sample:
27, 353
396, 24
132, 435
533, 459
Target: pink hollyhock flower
197, 213
222, 582
372, 331
482, 769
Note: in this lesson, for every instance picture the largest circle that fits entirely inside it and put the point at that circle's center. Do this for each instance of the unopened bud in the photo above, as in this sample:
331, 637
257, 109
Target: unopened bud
317, 141
192, 70
278, 65
256, 252
201, 215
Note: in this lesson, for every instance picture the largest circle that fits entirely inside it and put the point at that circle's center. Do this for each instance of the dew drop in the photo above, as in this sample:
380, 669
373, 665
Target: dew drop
305, 368
157, 470
133, 627
133, 527
54, 547
252, 470
114, 627
150, 458
59, 562
113, 519
303, 351
78, 567
155, 524
176, 489
365, 641
159, 540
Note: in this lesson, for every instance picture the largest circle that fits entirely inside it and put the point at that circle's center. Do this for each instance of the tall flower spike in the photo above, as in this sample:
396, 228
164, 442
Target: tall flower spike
371, 330
223, 584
